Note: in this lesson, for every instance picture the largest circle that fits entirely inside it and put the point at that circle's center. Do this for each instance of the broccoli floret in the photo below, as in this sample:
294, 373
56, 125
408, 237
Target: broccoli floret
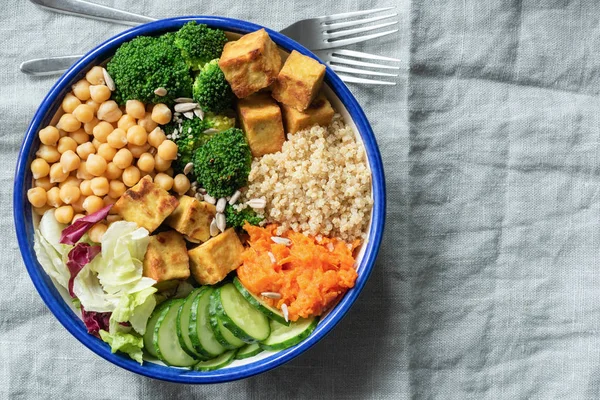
144, 64
236, 218
211, 90
192, 133
222, 165
199, 44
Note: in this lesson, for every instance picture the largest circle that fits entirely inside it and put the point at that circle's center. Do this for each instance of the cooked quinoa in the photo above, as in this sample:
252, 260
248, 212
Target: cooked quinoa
318, 184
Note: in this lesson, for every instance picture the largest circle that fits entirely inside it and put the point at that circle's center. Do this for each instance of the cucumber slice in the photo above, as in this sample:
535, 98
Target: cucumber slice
149, 334
248, 350
283, 336
201, 334
216, 363
183, 324
259, 304
239, 316
222, 334
165, 339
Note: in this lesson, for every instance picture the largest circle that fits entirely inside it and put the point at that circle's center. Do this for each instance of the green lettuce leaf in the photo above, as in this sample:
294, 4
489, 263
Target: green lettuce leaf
134, 308
128, 343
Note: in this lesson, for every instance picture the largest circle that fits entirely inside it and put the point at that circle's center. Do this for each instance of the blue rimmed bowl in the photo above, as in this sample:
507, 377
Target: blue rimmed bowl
342, 100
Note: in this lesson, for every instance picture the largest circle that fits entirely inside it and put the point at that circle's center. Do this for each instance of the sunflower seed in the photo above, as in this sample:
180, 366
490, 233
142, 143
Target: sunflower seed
280, 240
199, 197
330, 246
272, 257
183, 107
108, 80
184, 100
221, 203
286, 314
208, 198
161, 91
211, 130
271, 295
189, 114
257, 203
235, 197
199, 113
221, 222
214, 230
202, 190
188, 168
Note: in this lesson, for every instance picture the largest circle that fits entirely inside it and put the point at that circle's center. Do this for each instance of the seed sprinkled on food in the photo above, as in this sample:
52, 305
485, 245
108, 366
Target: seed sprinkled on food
257, 204
208, 198
272, 257
188, 168
183, 107
161, 91
110, 83
214, 229
199, 113
286, 315
280, 240
221, 203
221, 222
184, 100
235, 197
211, 130
271, 295
188, 114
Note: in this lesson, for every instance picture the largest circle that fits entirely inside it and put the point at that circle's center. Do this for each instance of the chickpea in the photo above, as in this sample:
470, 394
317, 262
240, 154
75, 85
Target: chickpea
69, 161
44, 183
160, 164
126, 122
80, 136
83, 113
49, 136
147, 122
70, 103
146, 162
76, 216
68, 123
106, 151
109, 200
167, 150
109, 111
112, 171
82, 172
53, 197
64, 214
100, 93
97, 231
137, 135
164, 181
102, 130
89, 127
69, 194
156, 137
96, 144
48, 153
39, 168
78, 205
95, 76
57, 174
117, 138
123, 158
116, 189
65, 144
82, 90
131, 176
37, 196
161, 114
181, 184
86, 187
96, 165
91, 204
85, 149
113, 218
71, 180
99, 186
135, 108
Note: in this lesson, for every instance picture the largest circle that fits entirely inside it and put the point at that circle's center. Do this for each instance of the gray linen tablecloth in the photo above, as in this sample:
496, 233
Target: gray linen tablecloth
487, 284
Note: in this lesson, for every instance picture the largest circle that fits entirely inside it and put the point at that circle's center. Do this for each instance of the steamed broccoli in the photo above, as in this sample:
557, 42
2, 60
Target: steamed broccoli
236, 218
144, 64
211, 90
199, 44
222, 165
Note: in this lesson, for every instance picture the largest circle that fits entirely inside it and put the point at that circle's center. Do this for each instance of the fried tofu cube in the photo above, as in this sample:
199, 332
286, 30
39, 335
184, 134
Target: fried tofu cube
319, 112
166, 257
146, 204
250, 63
260, 118
212, 261
299, 81
192, 218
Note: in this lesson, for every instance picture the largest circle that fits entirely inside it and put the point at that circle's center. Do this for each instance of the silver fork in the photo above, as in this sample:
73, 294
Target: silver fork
320, 34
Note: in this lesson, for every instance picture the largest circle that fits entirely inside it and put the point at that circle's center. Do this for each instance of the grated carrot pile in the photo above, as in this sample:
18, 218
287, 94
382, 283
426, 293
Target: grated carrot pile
309, 275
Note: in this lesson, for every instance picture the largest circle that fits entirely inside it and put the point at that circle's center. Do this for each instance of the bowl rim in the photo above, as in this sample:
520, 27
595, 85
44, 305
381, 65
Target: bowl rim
50, 295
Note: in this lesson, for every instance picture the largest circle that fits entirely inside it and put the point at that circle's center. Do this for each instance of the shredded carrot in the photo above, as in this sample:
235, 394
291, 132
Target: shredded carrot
309, 274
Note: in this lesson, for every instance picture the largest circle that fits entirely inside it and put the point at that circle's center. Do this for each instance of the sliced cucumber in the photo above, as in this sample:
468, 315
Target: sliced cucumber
222, 334
248, 350
201, 334
259, 304
166, 343
216, 363
239, 316
149, 334
183, 324
283, 336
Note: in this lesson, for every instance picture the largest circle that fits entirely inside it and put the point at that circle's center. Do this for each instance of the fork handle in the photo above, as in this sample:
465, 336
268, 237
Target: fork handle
86, 9
48, 66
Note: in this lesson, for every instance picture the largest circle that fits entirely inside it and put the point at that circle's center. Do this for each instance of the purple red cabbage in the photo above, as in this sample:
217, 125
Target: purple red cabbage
79, 256
71, 234
95, 321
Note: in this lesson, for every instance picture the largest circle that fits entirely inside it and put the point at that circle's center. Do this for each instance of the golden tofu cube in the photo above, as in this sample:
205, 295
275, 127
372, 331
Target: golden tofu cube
212, 261
146, 204
260, 117
192, 218
250, 63
299, 81
166, 257
319, 112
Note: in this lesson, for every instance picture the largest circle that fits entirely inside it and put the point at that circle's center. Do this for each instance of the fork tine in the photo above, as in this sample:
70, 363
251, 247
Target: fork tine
341, 68
357, 63
354, 79
348, 32
360, 54
347, 24
343, 42
333, 17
